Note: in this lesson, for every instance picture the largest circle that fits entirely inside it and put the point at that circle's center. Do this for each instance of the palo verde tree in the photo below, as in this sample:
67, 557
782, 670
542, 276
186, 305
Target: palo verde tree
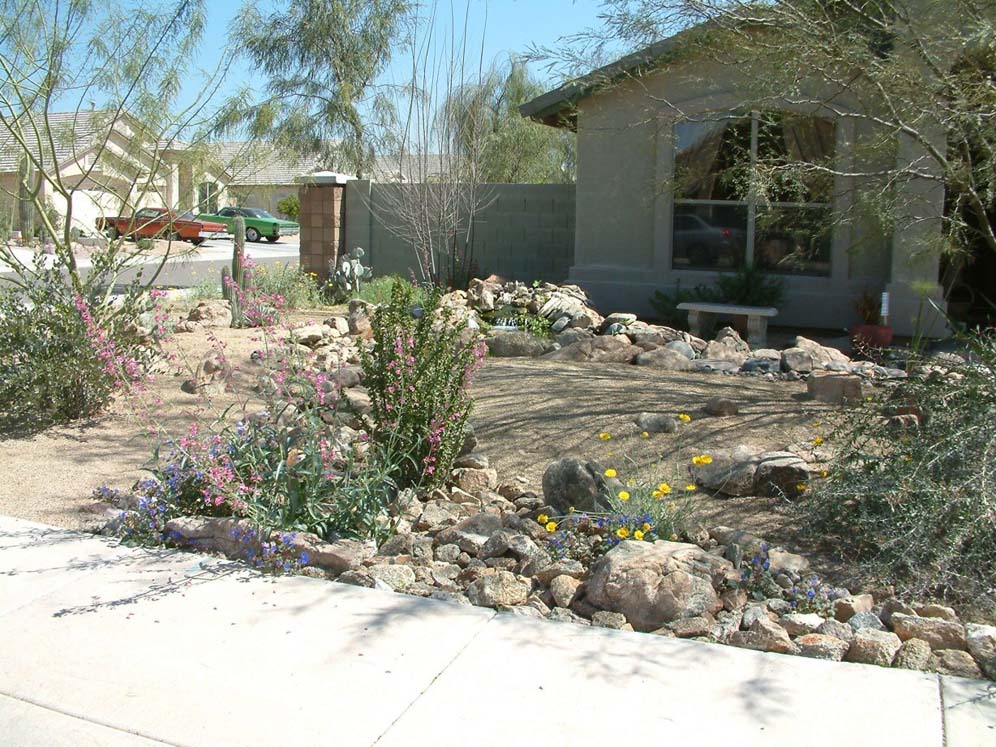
914, 76
321, 60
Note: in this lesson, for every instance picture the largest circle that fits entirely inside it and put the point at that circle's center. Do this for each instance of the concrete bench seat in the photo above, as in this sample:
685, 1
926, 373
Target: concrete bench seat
701, 313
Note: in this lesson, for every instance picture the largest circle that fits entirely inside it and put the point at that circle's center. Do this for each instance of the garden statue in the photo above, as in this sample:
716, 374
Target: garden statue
346, 280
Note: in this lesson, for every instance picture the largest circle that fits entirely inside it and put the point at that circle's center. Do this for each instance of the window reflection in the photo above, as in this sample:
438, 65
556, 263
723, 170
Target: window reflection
710, 236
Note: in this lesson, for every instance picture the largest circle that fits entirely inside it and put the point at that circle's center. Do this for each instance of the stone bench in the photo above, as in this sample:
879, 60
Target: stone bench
700, 315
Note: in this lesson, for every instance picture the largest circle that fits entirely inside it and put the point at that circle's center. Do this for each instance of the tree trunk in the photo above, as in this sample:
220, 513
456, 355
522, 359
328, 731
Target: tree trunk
25, 205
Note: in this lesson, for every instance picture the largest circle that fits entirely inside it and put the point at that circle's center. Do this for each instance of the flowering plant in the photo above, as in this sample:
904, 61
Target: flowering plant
418, 372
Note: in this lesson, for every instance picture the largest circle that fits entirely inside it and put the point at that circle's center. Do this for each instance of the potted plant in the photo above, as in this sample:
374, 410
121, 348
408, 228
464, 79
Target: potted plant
873, 331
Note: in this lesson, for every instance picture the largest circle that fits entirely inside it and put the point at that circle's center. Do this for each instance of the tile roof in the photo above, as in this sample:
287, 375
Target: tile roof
73, 133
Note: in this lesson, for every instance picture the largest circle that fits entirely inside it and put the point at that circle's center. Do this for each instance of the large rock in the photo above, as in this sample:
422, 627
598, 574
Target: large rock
835, 388
847, 607
798, 623
653, 584
501, 589
721, 407
398, 577
665, 359
211, 314
914, 654
819, 646
656, 422
780, 473
822, 356
874, 647
475, 480
729, 472
940, 634
682, 347
656, 335
764, 635
954, 663
471, 533
563, 589
515, 345
722, 351
572, 482
310, 334
981, 641
605, 349
797, 359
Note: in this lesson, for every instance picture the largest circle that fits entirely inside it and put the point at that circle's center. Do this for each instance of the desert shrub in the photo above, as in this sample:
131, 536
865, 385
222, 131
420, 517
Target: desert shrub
286, 469
206, 290
534, 324
63, 357
919, 503
289, 206
418, 373
379, 290
296, 288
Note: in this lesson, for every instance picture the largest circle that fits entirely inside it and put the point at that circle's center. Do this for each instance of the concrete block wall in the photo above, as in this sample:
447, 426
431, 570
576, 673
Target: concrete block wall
522, 231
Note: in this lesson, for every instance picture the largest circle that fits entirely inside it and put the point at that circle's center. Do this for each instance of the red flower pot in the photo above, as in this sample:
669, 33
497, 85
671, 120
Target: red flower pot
871, 336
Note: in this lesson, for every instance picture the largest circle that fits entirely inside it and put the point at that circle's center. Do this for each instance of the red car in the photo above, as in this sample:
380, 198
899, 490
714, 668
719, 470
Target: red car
160, 223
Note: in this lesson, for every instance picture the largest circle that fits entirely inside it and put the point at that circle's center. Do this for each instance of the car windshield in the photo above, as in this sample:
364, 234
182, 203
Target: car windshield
257, 213
189, 215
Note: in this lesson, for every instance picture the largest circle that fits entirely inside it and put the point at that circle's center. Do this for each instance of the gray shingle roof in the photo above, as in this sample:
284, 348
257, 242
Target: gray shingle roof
73, 132
254, 164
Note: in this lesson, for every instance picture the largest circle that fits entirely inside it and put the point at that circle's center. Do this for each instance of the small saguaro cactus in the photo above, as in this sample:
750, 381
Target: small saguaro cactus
233, 282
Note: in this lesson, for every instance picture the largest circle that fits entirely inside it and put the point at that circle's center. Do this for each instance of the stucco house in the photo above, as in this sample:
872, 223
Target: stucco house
110, 164
655, 210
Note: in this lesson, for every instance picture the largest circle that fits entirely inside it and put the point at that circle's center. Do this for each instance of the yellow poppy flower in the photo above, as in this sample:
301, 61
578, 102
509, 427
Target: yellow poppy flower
610, 472
622, 533
801, 487
623, 495
646, 527
644, 434
823, 473
638, 535
685, 417
542, 518
657, 494
551, 526
605, 436
690, 488
818, 440
674, 537
664, 488
702, 459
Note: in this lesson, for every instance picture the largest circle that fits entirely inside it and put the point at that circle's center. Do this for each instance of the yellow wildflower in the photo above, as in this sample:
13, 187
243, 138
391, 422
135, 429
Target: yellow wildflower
690, 488
638, 535
542, 518
644, 434
823, 473
664, 488
605, 436
646, 527
570, 509
685, 417
818, 441
801, 487
551, 526
622, 533
702, 459
657, 494
817, 423
674, 537
623, 495
610, 472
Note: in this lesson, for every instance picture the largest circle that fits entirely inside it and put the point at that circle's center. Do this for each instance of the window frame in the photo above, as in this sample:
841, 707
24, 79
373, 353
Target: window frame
751, 204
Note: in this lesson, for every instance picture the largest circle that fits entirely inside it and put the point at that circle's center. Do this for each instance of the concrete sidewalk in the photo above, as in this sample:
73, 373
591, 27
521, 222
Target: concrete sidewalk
107, 645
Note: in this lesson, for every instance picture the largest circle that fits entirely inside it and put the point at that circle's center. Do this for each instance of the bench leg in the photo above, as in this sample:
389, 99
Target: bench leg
695, 320
757, 331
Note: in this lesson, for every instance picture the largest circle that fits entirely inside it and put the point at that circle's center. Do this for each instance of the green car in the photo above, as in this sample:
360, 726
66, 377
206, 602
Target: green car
259, 223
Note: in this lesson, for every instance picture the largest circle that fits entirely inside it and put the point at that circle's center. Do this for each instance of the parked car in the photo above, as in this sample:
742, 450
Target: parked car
705, 245
259, 223
160, 223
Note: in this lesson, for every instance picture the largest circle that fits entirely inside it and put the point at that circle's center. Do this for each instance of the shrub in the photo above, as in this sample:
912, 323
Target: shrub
296, 288
749, 286
918, 503
417, 373
379, 290
64, 358
289, 206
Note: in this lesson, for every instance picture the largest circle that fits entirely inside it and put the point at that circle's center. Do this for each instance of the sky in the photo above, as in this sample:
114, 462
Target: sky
505, 26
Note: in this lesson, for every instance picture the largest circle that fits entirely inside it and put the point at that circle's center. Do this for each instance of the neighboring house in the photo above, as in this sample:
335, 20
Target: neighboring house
654, 211
261, 175
102, 160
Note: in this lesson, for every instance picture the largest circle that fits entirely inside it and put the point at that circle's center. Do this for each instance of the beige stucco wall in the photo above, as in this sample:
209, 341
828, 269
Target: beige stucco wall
624, 207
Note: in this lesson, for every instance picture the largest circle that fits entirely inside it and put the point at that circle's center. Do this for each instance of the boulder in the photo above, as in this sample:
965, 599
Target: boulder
398, 577
822, 356
721, 407
664, 359
681, 347
216, 313
865, 620
611, 620
981, 640
605, 349
819, 646
657, 583
874, 647
954, 663
699, 626
501, 589
847, 607
310, 334
474, 480
939, 633
936, 610
780, 473
718, 351
798, 623
837, 629
764, 635
572, 482
471, 533
656, 422
655, 335
617, 317
729, 472
563, 589
517, 344
797, 360
835, 389
573, 335
914, 654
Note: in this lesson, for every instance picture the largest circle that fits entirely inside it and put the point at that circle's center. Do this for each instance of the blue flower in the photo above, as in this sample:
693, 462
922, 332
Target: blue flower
305, 558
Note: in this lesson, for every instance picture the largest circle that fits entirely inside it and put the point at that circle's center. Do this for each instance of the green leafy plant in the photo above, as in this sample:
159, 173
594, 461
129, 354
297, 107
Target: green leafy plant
910, 492
297, 288
289, 206
379, 290
417, 373
748, 286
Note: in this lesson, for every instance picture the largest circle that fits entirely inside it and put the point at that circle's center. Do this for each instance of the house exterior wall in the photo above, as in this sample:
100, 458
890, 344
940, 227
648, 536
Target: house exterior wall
623, 242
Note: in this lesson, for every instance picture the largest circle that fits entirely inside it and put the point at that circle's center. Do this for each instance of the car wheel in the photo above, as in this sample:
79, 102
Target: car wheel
252, 234
197, 242
273, 239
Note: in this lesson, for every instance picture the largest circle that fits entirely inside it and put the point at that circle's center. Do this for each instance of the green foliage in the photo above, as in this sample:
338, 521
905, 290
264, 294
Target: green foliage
509, 148
417, 373
919, 504
298, 289
749, 286
379, 290
290, 206
534, 324
52, 369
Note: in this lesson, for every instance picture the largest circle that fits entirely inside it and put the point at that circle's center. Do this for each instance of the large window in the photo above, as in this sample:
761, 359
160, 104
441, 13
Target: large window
753, 189
207, 197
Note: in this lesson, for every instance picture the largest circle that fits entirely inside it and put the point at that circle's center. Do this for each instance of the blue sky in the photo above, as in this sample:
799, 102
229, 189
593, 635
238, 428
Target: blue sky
506, 26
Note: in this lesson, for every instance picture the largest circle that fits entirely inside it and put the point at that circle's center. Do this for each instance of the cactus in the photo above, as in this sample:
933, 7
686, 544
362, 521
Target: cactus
236, 277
